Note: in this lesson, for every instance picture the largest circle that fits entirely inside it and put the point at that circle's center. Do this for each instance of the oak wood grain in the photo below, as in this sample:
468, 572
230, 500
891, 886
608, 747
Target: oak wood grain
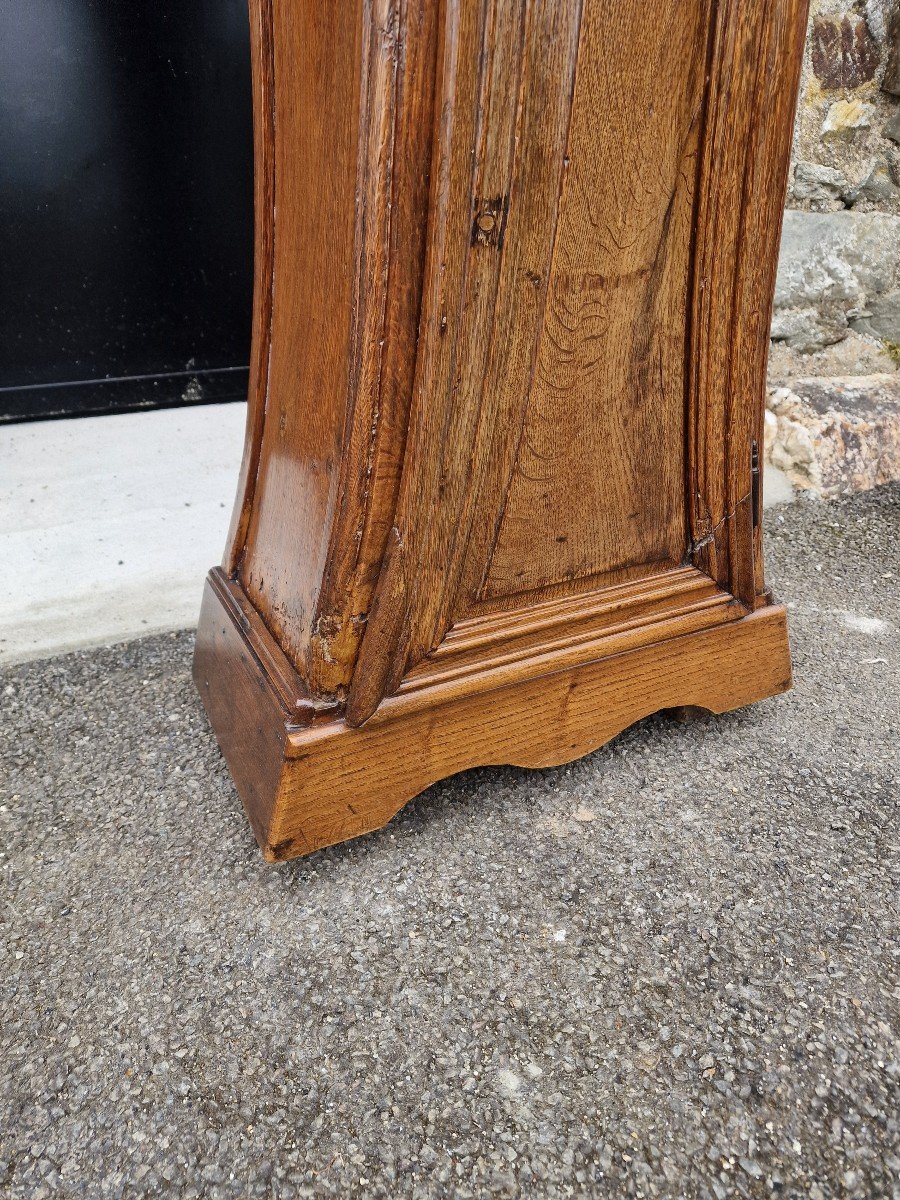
331, 781
340, 782
317, 55
754, 72
514, 271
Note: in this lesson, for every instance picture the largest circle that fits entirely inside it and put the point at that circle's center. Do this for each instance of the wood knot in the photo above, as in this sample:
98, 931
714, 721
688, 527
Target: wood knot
489, 221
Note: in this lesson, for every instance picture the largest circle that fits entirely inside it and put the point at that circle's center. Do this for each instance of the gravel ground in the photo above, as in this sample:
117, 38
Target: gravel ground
669, 969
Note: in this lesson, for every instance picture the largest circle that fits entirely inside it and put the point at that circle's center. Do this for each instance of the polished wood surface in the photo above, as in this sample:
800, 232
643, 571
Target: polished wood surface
514, 270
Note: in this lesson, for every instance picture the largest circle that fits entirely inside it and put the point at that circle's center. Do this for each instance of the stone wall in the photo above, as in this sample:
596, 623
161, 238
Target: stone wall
834, 421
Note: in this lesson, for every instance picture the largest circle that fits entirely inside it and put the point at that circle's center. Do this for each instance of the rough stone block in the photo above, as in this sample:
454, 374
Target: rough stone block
878, 187
832, 269
836, 435
878, 18
815, 182
883, 320
891, 81
844, 117
843, 52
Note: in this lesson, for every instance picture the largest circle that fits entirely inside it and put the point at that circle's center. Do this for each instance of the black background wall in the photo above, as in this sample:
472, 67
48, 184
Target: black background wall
125, 204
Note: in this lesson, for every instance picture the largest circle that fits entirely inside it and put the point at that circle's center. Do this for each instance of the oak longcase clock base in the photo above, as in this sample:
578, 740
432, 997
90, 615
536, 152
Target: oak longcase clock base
310, 780
501, 488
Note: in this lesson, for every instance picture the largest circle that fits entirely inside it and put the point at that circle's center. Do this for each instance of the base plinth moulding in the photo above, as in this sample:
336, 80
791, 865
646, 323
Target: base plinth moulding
309, 780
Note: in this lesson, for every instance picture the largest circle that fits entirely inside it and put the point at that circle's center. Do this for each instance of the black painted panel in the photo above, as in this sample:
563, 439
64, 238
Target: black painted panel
125, 204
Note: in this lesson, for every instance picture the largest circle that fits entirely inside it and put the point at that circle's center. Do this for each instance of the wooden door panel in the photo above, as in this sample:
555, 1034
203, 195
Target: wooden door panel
598, 482
505, 83
549, 414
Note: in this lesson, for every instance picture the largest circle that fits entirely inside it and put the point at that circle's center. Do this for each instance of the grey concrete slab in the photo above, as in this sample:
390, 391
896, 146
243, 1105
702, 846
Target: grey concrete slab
108, 524
669, 969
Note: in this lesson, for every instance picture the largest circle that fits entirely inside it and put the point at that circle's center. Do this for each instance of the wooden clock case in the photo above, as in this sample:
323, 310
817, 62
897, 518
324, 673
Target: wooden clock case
501, 492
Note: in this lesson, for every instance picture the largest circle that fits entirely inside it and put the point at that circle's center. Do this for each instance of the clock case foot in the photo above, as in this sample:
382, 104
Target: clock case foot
308, 779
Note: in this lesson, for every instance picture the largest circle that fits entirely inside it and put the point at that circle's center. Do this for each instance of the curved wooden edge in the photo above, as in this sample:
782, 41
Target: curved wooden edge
308, 787
755, 57
263, 62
